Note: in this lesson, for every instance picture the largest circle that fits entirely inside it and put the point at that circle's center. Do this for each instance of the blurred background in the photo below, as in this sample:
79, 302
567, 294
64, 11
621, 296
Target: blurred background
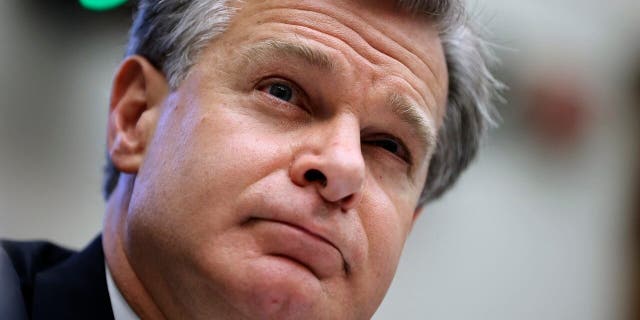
540, 226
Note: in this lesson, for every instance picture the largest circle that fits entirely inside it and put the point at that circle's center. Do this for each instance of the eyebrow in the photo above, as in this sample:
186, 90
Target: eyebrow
412, 115
269, 49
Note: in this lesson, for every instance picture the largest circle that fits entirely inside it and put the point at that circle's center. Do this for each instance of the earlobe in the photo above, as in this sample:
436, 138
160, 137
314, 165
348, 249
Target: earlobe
138, 91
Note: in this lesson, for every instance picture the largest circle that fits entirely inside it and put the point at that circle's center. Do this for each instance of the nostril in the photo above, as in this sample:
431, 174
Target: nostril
348, 199
315, 175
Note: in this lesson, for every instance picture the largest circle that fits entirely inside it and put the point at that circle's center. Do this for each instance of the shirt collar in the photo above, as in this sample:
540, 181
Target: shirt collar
121, 309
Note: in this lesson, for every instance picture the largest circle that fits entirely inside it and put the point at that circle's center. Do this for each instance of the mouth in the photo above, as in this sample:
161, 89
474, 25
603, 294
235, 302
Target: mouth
284, 240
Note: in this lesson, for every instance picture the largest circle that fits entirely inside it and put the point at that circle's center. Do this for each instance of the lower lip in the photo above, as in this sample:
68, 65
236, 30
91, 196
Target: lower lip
296, 245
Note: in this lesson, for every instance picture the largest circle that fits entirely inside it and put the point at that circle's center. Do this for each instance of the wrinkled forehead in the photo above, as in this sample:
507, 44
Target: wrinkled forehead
379, 31
413, 16
434, 10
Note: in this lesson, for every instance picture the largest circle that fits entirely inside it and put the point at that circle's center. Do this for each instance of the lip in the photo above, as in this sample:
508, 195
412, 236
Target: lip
297, 243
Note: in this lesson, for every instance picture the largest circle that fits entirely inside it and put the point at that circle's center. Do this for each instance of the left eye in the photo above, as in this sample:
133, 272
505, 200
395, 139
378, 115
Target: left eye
391, 145
388, 145
280, 91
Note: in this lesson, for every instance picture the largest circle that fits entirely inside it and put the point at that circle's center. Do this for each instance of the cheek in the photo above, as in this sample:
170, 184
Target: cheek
387, 224
200, 160
386, 229
394, 183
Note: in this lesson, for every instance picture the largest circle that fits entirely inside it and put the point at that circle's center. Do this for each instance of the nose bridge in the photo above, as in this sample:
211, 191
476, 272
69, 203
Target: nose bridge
341, 161
341, 142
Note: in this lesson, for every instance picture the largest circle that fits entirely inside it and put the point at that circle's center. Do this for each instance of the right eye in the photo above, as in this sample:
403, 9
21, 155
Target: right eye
283, 93
280, 91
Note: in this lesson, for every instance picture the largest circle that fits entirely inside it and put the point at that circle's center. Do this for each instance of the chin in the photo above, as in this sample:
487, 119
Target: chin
278, 289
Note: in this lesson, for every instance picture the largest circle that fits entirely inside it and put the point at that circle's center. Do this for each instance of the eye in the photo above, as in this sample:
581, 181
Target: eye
283, 92
391, 145
280, 91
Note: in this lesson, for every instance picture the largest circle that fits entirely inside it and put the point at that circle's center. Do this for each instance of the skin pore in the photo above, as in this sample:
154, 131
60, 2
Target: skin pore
281, 178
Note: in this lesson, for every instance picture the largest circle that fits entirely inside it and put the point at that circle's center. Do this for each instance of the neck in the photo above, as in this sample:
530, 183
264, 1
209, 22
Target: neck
122, 272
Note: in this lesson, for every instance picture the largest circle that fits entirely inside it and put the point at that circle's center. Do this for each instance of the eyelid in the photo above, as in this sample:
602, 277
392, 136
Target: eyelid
299, 97
409, 155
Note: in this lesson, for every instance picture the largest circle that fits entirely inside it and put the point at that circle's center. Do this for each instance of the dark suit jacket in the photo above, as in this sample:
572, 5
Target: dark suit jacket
40, 280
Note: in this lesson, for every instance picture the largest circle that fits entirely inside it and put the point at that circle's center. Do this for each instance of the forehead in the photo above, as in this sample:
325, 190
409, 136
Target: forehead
366, 34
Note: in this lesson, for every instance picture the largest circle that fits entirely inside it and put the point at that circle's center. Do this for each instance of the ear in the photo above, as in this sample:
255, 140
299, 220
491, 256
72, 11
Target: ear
138, 91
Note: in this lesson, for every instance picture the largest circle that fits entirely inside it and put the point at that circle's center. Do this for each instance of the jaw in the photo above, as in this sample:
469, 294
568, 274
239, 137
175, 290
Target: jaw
113, 234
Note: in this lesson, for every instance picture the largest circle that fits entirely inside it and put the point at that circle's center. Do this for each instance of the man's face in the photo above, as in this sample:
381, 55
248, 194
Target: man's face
284, 173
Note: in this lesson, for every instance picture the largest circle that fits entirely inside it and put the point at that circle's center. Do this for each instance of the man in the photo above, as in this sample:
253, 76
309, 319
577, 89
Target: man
267, 159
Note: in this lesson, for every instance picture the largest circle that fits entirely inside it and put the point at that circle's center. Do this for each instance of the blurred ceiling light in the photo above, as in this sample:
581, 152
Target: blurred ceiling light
101, 5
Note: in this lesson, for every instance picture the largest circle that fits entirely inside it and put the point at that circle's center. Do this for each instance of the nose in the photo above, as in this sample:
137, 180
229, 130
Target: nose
331, 160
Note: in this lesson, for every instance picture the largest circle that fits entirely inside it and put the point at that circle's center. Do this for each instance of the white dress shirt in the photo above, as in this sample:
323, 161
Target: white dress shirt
120, 307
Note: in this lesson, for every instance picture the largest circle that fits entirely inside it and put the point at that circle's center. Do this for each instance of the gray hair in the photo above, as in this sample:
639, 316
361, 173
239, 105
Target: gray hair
172, 33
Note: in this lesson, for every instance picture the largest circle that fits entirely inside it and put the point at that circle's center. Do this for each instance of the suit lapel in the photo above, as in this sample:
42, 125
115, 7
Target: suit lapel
11, 300
75, 289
